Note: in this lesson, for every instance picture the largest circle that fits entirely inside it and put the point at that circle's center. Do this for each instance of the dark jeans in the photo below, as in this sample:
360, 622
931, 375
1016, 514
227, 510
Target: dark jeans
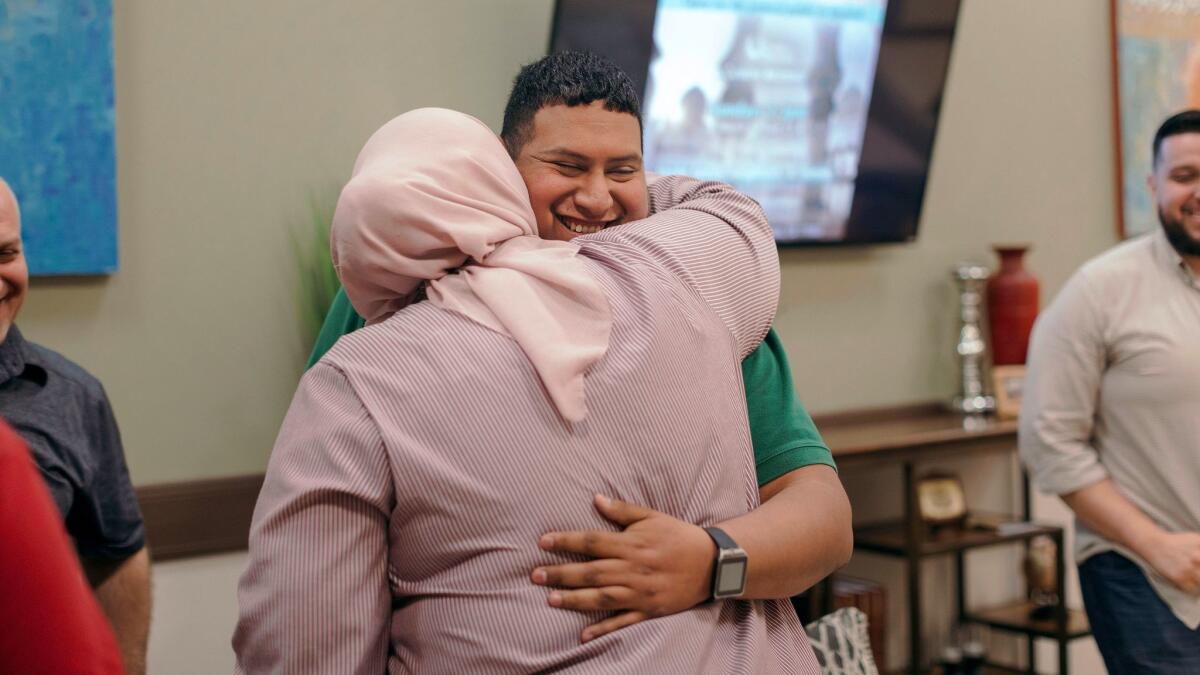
1135, 630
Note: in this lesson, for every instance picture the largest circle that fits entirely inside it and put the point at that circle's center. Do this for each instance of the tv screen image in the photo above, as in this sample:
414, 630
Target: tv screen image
822, 110
765, 88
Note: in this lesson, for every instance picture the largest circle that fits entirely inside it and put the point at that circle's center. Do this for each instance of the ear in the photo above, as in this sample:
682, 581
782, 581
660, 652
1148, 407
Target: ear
1150, 185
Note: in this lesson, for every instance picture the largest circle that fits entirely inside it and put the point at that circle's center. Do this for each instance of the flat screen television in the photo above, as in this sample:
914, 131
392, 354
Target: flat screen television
825, 111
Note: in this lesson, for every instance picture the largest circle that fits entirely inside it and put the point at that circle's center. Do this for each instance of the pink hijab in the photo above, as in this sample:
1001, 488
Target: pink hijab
435, 198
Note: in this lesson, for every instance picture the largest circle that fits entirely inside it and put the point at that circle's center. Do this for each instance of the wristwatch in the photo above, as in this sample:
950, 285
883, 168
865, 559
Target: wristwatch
729, 567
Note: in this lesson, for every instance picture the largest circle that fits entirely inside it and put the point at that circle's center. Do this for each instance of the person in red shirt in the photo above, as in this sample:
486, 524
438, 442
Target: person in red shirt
52, 623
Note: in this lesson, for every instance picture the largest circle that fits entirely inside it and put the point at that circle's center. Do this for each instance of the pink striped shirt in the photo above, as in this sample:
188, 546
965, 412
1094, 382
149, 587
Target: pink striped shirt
421, 460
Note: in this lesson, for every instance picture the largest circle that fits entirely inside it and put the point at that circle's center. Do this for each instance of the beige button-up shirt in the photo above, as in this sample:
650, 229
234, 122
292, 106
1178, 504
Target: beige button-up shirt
1113, 391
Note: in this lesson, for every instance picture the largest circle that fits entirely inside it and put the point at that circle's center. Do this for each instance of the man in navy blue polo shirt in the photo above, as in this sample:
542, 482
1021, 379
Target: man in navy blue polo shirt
63, 414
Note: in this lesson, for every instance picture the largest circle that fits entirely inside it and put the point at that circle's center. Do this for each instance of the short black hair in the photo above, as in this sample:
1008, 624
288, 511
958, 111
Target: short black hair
1186, 122
564, 78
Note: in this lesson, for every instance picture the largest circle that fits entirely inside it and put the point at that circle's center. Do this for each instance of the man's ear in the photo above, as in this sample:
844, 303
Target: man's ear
1150, 185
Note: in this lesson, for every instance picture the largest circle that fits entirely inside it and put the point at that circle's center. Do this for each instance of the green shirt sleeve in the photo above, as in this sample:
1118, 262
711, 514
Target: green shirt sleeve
782, 431
340, 320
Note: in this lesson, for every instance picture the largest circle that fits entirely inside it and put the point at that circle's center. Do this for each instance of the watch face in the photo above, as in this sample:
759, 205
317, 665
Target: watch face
731, 578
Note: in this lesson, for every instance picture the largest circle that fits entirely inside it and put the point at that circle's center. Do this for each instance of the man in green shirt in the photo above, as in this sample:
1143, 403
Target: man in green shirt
580, 157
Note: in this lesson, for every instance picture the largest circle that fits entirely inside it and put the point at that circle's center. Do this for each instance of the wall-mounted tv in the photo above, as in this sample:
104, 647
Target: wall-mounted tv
824, 111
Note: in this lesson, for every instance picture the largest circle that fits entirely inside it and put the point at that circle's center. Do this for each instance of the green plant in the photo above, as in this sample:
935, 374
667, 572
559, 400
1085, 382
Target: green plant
318, 280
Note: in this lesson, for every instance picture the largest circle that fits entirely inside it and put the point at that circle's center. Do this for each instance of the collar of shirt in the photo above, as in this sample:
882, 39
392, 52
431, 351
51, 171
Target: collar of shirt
15, 357
1167, 254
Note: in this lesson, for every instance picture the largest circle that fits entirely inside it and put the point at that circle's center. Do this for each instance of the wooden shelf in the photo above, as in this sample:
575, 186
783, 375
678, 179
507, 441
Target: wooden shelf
988, 669
921, 434
891, 538
1015, 618
869, 436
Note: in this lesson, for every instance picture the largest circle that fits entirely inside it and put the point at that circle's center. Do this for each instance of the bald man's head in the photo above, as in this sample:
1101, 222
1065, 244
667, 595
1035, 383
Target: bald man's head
14, 274
8, 203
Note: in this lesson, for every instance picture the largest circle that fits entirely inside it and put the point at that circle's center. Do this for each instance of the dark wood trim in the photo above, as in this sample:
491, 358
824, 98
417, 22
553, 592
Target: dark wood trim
199, 517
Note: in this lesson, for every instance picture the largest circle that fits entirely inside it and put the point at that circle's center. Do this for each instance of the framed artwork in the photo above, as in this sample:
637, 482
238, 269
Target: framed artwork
1008, 383
941, 500
1156, 73
56, 132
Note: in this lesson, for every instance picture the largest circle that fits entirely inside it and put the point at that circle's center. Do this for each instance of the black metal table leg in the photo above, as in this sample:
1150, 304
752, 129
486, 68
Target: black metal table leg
1060, 611
914, 535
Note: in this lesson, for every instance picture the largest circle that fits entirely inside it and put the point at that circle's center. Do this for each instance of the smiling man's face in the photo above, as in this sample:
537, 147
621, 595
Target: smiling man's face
14, 274
583, 168
1175, 185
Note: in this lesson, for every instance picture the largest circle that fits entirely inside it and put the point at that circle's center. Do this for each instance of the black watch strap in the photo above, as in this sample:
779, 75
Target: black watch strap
718, 535
729, 566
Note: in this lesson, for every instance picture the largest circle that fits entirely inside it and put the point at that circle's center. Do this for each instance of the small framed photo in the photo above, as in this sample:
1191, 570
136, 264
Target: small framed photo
941, 500
1007, 383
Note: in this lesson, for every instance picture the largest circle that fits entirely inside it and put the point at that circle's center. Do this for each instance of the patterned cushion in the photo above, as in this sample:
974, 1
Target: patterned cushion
841, 643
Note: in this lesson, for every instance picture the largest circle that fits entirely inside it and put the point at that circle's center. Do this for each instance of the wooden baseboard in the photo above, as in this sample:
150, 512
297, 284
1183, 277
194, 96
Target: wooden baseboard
199, 517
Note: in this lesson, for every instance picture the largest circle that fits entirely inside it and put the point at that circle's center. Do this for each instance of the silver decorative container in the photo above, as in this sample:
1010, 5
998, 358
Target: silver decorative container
973, 397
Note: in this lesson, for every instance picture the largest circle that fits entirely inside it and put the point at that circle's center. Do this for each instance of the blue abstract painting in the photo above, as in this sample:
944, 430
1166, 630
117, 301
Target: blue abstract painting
56, 131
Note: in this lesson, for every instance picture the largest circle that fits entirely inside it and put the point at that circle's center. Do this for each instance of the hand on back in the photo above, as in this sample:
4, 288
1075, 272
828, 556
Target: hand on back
657, 566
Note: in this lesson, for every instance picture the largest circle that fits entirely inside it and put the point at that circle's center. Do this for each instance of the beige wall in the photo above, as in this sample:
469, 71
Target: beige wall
1024, 153
230, 113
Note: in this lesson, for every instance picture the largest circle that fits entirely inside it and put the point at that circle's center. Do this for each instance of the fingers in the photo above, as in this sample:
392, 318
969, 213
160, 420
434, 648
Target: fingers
609, 625
591, 543
592, 574
590, 599
622, 513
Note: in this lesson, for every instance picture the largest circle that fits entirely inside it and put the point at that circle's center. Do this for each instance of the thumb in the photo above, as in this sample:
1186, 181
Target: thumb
621, 513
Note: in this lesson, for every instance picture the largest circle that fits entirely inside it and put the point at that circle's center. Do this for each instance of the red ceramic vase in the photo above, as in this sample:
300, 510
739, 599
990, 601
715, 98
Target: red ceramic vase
1012, 299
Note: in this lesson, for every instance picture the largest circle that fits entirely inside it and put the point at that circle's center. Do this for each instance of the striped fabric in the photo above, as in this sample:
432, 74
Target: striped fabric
421, 460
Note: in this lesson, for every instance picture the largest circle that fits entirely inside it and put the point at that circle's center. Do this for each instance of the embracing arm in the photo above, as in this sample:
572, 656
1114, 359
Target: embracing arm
315, 597
799, 535
659, 565
802, 531
716, 241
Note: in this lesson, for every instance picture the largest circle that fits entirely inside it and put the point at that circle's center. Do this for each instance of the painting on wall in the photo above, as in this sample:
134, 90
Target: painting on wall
56, 132
1156, 53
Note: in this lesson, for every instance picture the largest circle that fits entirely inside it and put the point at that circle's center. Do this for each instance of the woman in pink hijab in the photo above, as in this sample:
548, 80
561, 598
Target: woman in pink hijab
423, 456
434, 189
